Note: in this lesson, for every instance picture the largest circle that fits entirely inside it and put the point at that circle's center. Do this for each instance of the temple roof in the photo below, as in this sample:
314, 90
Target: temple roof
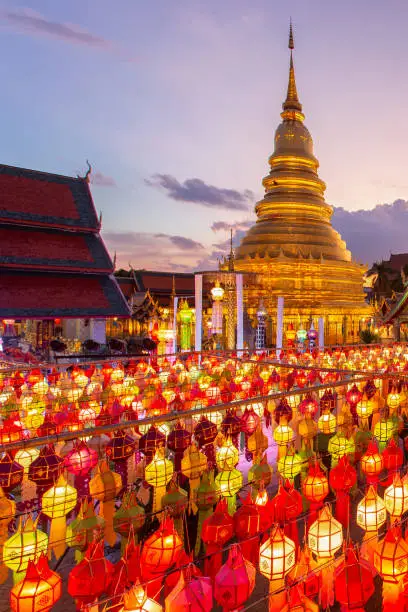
38, 295
162, 282
53, 262
41, 198
52, 249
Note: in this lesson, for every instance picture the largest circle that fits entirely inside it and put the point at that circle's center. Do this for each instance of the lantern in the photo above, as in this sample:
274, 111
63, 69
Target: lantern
104, 487
325, 538
364, 410
340, 445
229, 482
277, 556
315, 488
80, 461
23, 546
354, 581
217, 530
178, 441
234, 581
391, 562
193, 465
371, 513
91, 577
44, 470
158, 474
11, 473
384, 430
372, 463
393, 458
327, 423
7, 512
283, 436
84, 529
119, 450
129, 518
260, 472
136, 600
396, 498
57, 502
205, 499
191, 592
247, 524
40, 589
175, 501
161, 550
227, 456
342, 479
290, 465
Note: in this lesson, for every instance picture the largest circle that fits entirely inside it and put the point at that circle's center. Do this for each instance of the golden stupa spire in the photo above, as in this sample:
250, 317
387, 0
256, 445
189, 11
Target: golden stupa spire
292, 101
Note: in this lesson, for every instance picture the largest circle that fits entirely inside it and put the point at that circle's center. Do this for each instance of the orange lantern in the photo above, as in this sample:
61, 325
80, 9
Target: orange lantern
40, 589
372, 463
391, 562
136, 600
277, 556
161, 550
315, 488
104, 487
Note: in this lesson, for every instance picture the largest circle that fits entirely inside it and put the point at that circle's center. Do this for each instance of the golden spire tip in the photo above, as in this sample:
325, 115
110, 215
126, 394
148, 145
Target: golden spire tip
291, 43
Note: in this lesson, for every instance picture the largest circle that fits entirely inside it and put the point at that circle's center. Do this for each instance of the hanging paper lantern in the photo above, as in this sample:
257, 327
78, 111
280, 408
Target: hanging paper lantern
206, 498
247, 524
39, 591
205, 432
315, 488
23, 546
340, 445
150, 442
229, 482
235, 580
383, 431
227, 456
391, 557
231, 426
84, 529
354, 581
191, 592
45, 470
176, 503
178, 441
260, 472
277, 555
342, 479
216, 531
7, 512
325, 535
371, 514
136, 600
327, 423
393, 458
104, 487
161, 550
158, 474
290, 465
372, 463
80, 461
119, 450
396, 497
57, 503
91, 578
298, 602
130, 517
11, 473
193, 465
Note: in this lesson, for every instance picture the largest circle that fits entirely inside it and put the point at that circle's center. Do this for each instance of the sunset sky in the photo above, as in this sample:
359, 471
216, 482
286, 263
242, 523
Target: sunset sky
175, 103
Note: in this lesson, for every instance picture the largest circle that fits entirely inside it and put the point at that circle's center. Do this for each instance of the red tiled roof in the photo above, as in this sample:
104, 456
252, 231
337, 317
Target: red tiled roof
53, 249
47, 295
398, 261
127, 286
162, 282
39, 198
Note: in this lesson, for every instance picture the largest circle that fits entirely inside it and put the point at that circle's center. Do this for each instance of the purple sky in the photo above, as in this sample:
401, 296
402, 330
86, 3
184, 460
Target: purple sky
175, 104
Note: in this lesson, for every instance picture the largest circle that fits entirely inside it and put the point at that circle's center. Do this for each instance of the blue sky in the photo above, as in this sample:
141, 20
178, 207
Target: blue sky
191, 91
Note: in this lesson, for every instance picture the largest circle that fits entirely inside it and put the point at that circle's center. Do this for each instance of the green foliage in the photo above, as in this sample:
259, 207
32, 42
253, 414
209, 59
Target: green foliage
369, 337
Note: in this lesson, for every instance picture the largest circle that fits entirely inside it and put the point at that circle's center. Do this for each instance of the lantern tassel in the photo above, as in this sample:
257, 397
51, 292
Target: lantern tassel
277, 595
392, 596
58, 532
326, 595
202, 516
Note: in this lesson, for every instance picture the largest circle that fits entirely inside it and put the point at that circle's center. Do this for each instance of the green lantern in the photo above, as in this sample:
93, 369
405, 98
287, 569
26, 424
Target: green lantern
185, 316
339, 445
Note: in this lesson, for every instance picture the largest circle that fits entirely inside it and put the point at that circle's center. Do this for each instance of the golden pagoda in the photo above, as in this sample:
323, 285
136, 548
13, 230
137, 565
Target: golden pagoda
292, 248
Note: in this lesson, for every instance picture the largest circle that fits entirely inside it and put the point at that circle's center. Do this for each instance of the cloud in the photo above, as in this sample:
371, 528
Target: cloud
102, 180
27, 20
371, 235
164, 252
218, 226
198, 192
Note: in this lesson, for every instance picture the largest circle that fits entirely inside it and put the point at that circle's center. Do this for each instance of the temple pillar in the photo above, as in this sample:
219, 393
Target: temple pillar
396, 331
279, 325
175, 304
321, 333
97, 330
198, 282
240, 312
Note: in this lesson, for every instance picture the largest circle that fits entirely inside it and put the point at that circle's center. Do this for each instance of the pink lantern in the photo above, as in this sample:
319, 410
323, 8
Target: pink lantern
235, 581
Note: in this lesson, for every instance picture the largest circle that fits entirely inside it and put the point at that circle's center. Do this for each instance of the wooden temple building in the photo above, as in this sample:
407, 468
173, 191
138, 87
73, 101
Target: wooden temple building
56, 276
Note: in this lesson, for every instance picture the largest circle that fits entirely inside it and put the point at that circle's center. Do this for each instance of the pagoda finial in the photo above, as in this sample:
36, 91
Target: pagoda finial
114, 261
173, 287
231, 266
292, 101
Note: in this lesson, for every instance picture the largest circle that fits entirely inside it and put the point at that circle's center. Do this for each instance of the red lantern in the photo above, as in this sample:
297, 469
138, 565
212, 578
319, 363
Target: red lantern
192, 592
178, 441
247, 523
161, 550
205, 433
40, 589
91, 577
150, 442
354, 582
315, 488
234, 581
11, 473
342, 479
372, 463
45, 470
217, 530
393, 458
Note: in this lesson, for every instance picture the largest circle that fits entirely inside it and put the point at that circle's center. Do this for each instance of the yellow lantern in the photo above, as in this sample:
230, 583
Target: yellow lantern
396, 497
340, 445
7, 512
228, 483
227, 456
327, 423
105, 486
193, 465
25, 545
371, 513
290, 465
158, 474
393, 400
56, 503
277, 556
